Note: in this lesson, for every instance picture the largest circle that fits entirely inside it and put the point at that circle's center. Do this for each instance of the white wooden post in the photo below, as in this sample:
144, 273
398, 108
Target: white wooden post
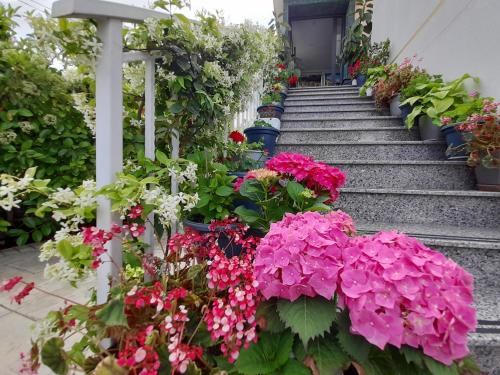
109, 143
109, 108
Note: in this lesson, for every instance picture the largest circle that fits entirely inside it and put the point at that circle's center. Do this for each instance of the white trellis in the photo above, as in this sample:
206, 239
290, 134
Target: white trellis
109, 111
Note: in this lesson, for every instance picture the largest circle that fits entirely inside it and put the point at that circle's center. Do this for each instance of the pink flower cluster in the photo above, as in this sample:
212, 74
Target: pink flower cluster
301, 255
139, 357
397, 290
231, 317
318, 177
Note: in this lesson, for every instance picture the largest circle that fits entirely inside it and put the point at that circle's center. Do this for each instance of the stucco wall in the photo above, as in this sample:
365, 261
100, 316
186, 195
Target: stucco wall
451, 36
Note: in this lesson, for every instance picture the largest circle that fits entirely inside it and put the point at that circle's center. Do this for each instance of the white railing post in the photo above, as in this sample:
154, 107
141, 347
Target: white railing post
109, 143
149, 139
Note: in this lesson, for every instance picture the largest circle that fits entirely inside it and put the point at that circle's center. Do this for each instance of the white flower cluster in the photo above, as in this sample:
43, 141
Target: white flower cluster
9, 187
155, 29
134, 76
213, 70
7, 137
187, 175
82, 105
50, 119
26, 126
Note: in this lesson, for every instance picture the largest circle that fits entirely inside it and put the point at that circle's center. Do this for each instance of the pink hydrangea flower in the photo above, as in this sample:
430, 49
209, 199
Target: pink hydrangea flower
301, 255
318, 177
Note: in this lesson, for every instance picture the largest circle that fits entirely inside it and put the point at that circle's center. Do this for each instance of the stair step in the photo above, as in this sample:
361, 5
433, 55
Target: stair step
320, 102
386, 150
408, 174
397, 133
440, 207
344, 123
324, 89
323, 95
305, 107
329, 113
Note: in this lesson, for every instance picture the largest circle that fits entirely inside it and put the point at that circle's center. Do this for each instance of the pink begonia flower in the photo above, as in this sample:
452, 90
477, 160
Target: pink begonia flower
397, 291
139, 356
473, 93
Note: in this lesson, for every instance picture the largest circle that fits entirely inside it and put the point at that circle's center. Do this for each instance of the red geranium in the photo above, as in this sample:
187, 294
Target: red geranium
293, 80
237, 137
281, 66
354, 69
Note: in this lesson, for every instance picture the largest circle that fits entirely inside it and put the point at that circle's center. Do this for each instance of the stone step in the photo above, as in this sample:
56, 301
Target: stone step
354, 100
397, 133
323, 95
407, 174
385, 150
439, 207
306, 107
329, 113
324, 89
344, 123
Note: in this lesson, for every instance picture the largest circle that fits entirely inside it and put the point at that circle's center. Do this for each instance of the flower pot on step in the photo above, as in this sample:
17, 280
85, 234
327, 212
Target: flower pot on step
428, 130
274, 122
266, 135
283, 98
360, 80
394, 106
405, 111
270, 111
454, 139
488, 179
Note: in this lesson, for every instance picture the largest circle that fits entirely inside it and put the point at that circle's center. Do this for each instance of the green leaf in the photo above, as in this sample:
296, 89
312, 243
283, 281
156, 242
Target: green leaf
293, 367
161, 157
437, 368
224, 191
269, 354
308, 317
247, 215
37, 236
252, 190
412, 355
113, 314
442, 105
294, 189
328, 355
65, 248
354, 345
25, 112
267, 310
53, 356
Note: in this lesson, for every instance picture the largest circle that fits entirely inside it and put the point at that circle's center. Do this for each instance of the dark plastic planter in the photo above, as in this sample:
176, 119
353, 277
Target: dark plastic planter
360, 80
230, 248
429, 131
283, 98
488, 179
454, 138
405, 111
266, 135
270, 111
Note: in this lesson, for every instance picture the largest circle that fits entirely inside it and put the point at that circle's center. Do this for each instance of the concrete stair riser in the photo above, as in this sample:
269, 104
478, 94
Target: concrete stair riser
324, 89
327, 107
324, 115
369, 151
317, 102
329, 95
346, 123
397, 133
422, 207
444, 176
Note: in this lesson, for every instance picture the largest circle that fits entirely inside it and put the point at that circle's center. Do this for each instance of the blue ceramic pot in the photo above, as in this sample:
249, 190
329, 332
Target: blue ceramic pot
360, 80
266, 135
270, 111
454, 138
283, 98
405, 111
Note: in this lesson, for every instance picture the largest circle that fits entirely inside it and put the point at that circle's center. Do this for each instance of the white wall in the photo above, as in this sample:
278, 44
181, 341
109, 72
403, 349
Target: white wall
451, 36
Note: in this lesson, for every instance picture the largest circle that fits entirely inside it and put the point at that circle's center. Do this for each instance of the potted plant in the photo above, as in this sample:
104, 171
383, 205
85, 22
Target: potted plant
373, 76
282, 90
482, 137
271, 106
471, 110
263, 132
355, 73
373, 65
241, 156
412, 89
288, 183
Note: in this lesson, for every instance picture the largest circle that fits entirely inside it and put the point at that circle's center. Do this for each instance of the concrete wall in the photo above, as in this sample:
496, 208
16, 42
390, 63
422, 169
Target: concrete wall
451, 36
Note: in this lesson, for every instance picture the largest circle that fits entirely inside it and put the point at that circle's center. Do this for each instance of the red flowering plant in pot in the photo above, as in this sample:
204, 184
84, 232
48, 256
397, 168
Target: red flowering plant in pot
288, 183
241, 155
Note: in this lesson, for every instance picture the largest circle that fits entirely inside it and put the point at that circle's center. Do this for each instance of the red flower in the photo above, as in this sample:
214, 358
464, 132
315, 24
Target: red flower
354, 69
9, 284
281, 66
237, 137
293, 80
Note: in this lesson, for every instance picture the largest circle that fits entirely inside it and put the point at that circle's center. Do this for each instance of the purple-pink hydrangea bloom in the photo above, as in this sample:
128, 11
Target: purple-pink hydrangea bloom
397, 290
301, 255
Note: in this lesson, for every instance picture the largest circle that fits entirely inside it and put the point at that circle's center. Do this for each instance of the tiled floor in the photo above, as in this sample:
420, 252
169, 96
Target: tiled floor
16, 320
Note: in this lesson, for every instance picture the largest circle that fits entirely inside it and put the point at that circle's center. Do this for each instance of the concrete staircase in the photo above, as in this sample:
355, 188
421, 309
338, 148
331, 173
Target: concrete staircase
397, 181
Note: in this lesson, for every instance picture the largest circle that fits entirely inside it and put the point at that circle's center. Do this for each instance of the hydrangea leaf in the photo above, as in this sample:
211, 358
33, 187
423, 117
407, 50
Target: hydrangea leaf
328, 355
270, 353
53, 356
293, 367
437, 368
308, 317
354, 345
